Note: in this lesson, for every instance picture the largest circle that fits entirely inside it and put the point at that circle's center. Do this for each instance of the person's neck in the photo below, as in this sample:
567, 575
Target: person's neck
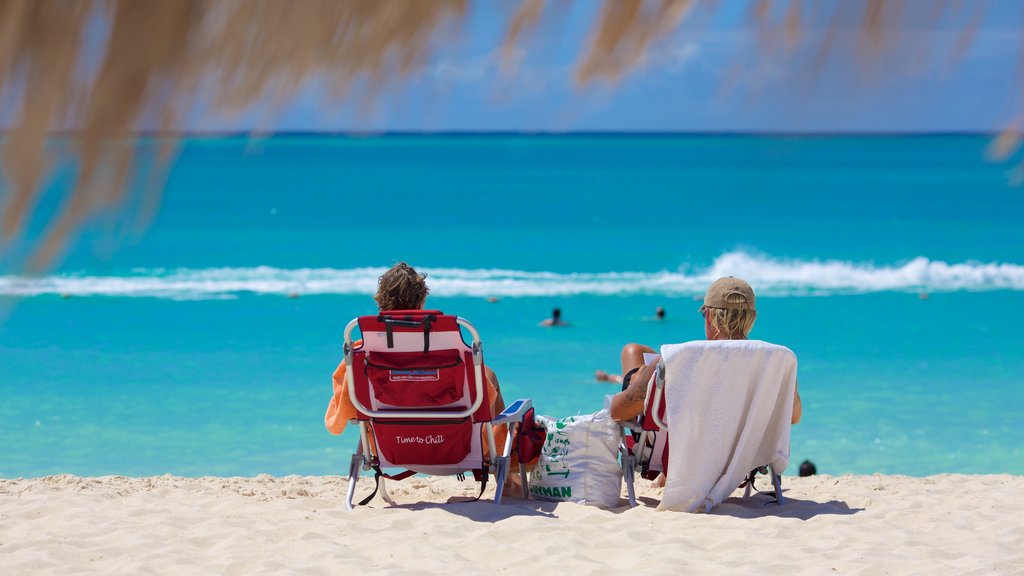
719, 337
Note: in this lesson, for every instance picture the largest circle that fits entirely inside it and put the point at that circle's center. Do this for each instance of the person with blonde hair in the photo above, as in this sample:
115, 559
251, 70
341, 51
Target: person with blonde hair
729, 314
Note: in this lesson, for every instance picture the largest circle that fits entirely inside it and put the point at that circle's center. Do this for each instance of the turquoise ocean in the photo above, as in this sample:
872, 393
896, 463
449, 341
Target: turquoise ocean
892, 266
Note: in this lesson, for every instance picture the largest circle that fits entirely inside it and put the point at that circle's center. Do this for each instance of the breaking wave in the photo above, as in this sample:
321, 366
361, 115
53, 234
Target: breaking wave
769, 276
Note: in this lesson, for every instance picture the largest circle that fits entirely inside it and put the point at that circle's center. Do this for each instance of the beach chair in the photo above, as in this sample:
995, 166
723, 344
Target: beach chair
748, 386
421, 398
643, 445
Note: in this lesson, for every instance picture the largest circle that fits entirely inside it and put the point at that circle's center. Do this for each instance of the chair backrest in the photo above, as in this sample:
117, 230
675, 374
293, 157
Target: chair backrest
419, 385
653, 419
726, 376
728, 406
417, 361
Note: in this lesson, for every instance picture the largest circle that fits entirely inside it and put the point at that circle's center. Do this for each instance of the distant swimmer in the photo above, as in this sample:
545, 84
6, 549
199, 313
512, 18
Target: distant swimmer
602, 376
555, 320
659, 313
492, 299
293, 294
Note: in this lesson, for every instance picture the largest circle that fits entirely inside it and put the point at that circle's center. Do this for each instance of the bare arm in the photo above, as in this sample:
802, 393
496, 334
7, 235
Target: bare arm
798, 406
497, 402
629, 403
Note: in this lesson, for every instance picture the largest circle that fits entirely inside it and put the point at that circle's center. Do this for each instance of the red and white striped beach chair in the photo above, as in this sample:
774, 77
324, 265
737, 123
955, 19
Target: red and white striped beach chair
422, 403
644, 444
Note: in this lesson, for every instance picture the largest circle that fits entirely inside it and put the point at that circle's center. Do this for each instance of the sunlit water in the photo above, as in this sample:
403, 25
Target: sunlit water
893, 267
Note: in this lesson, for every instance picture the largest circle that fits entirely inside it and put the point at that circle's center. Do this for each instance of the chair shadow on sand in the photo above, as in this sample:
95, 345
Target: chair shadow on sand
757, 506
487, 510
761, 506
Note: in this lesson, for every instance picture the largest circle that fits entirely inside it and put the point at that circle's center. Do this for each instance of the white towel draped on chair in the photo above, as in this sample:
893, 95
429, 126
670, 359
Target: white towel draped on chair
728, 409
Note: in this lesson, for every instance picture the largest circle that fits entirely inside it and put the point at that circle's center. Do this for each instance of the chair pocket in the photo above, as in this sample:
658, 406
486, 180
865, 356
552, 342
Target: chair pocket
416, 380
419, 443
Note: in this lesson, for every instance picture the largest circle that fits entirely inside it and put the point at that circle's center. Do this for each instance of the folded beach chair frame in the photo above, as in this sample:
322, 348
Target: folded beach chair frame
644, 445
420, 394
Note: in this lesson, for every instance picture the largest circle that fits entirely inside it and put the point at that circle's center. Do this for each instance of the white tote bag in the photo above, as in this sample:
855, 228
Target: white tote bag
579, 461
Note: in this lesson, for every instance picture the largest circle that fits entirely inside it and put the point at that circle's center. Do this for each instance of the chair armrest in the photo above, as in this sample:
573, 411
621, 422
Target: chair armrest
513, 412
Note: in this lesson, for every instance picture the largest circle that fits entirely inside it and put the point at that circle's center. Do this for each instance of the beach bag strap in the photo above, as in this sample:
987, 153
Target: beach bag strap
481, 477
378, 474
478, 475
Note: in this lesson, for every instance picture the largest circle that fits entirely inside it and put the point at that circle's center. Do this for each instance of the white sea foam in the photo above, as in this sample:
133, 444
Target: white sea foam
770, 277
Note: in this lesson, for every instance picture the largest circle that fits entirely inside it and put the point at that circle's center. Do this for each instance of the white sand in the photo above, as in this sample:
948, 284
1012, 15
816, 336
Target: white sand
949, 524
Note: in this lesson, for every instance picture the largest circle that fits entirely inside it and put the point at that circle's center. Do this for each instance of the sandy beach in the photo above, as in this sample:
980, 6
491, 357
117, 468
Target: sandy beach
946, 524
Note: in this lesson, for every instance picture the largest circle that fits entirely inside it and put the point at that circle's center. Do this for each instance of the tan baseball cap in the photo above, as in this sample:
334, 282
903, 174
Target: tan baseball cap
720, 290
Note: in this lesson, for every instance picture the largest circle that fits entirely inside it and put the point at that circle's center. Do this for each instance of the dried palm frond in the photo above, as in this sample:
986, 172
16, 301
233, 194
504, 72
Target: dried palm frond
100, 71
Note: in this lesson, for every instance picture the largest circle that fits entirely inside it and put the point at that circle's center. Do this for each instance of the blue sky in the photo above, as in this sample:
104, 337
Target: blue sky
711, 74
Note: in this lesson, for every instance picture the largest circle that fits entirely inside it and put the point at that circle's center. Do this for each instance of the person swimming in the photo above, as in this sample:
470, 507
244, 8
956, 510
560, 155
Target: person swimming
555, 320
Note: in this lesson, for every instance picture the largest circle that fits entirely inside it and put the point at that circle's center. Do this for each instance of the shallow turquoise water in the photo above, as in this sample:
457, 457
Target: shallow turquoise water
180, 353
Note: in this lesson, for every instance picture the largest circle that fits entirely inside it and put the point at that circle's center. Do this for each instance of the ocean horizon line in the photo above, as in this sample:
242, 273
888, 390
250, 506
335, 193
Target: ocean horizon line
808, 134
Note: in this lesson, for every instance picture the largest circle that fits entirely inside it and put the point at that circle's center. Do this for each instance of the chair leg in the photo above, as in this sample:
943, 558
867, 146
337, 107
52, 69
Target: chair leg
628, 473
384, 492
500, 474
524, 483
353, 478
514, 429
777, 483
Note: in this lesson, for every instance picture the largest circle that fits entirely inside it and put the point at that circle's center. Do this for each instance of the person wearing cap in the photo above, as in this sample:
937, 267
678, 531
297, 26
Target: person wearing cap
729, 314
